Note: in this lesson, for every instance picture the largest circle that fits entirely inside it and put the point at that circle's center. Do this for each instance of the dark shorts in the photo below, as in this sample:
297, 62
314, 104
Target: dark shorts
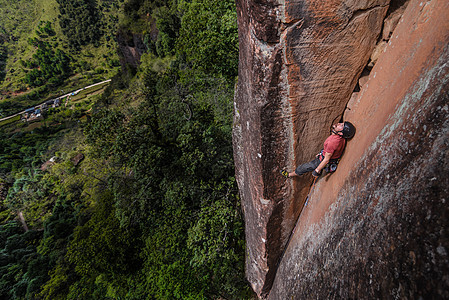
307, 167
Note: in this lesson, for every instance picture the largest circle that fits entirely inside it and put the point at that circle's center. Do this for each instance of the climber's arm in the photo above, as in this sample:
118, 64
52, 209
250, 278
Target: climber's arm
327, 157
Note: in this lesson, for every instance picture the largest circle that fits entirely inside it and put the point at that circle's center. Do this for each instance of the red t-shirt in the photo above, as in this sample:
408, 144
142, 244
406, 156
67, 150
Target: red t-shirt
334, 144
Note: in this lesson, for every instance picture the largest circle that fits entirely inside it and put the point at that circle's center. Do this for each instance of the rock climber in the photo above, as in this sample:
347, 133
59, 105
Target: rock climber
328, 157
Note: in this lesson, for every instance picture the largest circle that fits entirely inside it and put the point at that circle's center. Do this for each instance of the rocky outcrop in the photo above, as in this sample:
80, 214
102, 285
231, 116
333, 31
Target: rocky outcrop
77, 159
131, 47
378, 227
299, 63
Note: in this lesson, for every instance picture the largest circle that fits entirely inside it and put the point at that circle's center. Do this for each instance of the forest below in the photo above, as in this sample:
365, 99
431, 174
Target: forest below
134, 195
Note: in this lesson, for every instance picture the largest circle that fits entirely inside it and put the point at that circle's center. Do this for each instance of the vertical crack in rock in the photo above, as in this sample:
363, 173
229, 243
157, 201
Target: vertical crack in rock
297, 68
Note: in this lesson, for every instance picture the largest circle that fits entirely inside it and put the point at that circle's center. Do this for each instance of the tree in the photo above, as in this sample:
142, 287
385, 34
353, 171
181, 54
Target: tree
80, 21
102, 249
208, 35
22, 269
48, 66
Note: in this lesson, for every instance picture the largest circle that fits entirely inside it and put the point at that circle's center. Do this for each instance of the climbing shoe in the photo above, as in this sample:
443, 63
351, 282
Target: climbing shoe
284, 173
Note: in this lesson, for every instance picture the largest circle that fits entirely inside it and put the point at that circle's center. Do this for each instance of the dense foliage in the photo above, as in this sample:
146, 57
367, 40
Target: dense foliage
48, 47
47, 66
3, 57
80, 21
139, 201
214, 49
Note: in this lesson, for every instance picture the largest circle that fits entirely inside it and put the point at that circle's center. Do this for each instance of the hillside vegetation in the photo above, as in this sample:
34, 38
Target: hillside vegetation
134, 198
49, 46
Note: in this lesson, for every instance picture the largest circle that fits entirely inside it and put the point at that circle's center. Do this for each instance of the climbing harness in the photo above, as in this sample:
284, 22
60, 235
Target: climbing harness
332, 165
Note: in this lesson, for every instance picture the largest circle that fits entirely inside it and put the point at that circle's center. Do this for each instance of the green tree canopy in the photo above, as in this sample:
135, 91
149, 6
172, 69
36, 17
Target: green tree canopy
80, 21
214, 46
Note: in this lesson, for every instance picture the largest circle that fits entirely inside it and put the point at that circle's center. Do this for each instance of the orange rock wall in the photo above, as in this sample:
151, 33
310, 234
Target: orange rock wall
378, 227
299, 63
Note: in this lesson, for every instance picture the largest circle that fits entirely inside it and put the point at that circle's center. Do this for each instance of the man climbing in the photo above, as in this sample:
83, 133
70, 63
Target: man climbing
331, 153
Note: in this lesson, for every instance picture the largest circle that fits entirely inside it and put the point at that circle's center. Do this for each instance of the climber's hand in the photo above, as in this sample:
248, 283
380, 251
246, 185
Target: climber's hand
316, 174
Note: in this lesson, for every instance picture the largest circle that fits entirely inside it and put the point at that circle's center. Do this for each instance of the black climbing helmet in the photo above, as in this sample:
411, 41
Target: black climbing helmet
348, 130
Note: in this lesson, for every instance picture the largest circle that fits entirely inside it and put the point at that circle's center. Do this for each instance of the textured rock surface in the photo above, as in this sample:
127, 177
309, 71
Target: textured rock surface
299, 63
131, 47
378, 228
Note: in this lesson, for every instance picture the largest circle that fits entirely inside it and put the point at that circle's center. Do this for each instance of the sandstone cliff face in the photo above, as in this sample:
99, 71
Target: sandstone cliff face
378, 227
299, 63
